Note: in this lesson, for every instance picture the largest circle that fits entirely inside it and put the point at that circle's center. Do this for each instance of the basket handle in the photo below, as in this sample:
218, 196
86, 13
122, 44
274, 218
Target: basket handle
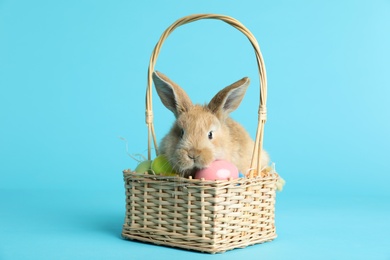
262, 113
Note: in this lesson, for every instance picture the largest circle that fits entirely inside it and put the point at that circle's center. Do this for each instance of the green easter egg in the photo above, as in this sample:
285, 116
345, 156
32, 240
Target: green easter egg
161, 165
144, 166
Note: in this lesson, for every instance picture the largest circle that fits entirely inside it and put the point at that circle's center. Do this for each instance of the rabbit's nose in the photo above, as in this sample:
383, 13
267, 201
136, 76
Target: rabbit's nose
193, 154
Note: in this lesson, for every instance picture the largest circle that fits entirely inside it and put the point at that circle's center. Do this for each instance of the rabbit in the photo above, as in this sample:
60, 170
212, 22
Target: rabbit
204, 133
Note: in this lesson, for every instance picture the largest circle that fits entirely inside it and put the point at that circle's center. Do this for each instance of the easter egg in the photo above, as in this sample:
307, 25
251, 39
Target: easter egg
161, 165
218, 170
144, 166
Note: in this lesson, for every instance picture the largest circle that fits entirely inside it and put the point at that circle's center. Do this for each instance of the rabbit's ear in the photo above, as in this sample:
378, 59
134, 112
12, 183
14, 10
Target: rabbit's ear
171, 95
229, 98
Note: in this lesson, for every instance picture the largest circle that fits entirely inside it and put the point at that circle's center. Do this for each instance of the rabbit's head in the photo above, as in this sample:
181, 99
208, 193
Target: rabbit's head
201, 133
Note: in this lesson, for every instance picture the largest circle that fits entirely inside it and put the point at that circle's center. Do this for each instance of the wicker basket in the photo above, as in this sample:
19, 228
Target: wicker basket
207, 216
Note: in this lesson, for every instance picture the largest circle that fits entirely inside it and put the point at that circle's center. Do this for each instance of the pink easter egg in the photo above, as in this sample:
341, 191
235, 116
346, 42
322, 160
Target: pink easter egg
218, 170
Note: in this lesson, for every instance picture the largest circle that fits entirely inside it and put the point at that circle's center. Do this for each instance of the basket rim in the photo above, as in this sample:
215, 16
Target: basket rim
128, 174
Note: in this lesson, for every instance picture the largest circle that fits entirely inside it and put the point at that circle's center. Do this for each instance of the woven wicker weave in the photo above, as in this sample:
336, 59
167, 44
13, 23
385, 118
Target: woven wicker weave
207, 216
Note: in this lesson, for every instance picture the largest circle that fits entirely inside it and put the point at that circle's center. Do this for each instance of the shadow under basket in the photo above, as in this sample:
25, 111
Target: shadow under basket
201, 215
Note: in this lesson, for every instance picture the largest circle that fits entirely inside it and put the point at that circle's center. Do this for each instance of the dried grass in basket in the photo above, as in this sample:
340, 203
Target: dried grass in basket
207, 216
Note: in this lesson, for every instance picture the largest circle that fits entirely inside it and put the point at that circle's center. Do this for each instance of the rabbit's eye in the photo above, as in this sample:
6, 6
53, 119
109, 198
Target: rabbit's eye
181, 133
210, 135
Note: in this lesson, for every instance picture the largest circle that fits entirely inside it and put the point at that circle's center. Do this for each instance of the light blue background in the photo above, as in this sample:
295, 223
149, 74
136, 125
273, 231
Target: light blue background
73, 78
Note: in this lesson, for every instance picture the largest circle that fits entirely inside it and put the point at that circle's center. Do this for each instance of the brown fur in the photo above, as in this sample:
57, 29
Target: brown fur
188, 146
